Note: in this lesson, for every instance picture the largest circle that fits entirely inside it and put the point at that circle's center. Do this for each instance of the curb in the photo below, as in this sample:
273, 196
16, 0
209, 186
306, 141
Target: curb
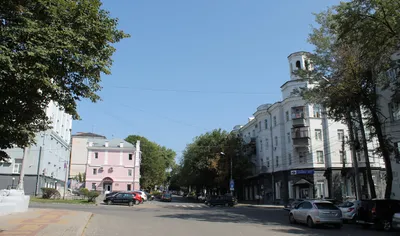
82, 229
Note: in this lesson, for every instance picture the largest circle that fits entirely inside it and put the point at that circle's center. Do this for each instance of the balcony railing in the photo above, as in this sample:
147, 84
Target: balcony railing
300, 137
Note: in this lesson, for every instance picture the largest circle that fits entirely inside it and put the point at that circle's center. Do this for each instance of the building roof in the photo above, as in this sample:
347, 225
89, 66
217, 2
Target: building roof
113, 143
88, 134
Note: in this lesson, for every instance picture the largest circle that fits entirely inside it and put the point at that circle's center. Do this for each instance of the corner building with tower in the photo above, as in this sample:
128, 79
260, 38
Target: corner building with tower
298, 152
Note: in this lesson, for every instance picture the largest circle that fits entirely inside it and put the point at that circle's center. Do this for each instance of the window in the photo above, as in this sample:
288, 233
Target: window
261, 145
277, 161
340, 134
274, 120
267, 164
278, 190
94, 171
302, 157
266, 123
17, 166
93, 186
276, 141
96, 155
130, 156
317, 111
266, 144
342, 156
320, 157
320, 186
129, 172
318, 134
394, 110
259, 126
288, 137
287, 116
128, 187
290, 159
298, 65
290, 188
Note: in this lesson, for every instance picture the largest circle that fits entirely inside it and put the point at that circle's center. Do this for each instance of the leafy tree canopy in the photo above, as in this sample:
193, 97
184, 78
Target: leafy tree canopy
51, 50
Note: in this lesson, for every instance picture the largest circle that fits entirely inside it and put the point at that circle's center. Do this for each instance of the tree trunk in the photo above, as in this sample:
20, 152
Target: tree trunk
353, 155
385, 152
365, 150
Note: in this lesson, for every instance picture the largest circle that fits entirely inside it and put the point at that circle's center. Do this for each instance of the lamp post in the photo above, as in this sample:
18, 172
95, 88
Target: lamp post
12, 185
230, 180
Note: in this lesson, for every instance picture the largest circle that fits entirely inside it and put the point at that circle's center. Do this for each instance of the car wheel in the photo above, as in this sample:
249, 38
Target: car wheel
130, 204
109, 202
338, 226
137, 202
310, 222
291, 219
141, 202
386, 225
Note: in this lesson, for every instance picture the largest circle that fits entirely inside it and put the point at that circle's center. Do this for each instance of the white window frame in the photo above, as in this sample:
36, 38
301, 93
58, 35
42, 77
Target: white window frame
320, 157
17, 166
130, 172
318, 134
340, 133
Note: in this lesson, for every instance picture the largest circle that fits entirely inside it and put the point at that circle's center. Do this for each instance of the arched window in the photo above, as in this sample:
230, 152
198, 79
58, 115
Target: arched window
298, 65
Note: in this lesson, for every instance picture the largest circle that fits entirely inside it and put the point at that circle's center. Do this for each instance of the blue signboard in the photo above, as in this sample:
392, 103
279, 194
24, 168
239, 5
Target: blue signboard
232, 185
302, 172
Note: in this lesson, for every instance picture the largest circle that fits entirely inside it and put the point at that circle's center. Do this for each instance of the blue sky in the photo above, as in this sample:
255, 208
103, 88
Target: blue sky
193, 66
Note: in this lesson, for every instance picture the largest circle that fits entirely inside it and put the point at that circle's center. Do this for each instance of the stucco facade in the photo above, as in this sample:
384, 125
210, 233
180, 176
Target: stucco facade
113, 165
299, 151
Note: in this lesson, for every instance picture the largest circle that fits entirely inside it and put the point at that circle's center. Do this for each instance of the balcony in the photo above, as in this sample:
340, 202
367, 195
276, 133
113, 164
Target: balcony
300, 137
298, 117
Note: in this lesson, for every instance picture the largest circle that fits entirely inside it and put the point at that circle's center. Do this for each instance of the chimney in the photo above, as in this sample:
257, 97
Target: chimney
106, 144
121, 144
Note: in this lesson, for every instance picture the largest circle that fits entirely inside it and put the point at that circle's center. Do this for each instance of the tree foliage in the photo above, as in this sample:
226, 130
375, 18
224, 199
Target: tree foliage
51, 50
204, 166
155, 160
354, 45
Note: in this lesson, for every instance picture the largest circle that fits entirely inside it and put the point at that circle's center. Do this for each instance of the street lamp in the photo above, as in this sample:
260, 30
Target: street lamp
12, 185
223, 154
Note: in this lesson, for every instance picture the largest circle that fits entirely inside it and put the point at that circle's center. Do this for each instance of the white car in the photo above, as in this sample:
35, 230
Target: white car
142, 194
349, 209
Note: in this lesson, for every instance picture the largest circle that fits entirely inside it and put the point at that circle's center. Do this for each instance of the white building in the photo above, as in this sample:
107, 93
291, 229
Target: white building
390, 112
299, 152
47, 161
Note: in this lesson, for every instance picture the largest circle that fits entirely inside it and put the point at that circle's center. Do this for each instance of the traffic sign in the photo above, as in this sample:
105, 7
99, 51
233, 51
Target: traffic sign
232, 185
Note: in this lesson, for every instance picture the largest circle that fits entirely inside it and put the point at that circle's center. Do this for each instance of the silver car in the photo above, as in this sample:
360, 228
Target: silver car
349, 209
316, 212
396, 221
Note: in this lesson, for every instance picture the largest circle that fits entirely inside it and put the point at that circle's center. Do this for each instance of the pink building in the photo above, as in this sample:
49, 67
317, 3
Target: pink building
113, 165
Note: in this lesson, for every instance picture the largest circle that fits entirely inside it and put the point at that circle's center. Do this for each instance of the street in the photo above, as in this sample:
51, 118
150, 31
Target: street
180, 217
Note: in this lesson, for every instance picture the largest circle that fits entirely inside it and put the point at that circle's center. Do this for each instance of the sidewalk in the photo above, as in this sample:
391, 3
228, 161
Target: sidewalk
44, 222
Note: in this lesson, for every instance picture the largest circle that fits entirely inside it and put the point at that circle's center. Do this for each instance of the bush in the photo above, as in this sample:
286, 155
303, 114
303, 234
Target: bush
50, 193
84, 192
92, 195
157, 194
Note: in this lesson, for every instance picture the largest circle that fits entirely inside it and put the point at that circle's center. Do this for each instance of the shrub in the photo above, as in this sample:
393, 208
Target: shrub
157, 194
50, 193
92, 195
84, 192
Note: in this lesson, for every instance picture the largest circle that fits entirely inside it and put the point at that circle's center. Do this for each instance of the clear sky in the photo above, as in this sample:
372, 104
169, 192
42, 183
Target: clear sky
191, 66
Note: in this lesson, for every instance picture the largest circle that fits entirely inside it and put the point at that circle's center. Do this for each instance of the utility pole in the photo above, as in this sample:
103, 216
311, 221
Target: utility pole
22, 173
354, 154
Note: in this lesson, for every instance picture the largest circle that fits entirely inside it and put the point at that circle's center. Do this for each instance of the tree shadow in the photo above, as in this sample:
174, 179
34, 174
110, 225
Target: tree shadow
274, 220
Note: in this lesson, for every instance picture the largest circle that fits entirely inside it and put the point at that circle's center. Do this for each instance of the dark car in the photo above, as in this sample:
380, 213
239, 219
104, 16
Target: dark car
120, 199
166, 197
150, 197
378, 213
111, 193
221, 200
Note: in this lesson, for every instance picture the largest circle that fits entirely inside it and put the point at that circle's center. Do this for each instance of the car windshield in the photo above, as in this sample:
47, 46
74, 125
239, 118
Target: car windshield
325, 206
167, 195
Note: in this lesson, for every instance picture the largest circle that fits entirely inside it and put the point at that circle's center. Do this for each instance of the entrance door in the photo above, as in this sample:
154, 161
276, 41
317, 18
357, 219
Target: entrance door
304, 193
107, 187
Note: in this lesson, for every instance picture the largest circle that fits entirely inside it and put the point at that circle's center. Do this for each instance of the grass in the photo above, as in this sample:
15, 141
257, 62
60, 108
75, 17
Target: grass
66, 201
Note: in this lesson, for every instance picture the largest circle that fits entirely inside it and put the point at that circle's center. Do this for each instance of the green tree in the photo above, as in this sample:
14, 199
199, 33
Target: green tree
353, 48
155, 160
51, 50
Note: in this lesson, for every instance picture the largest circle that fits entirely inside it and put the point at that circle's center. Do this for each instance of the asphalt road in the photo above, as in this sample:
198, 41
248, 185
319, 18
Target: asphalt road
179, 217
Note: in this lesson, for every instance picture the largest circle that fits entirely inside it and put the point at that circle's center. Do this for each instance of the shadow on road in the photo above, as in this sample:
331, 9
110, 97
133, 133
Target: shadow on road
277, 220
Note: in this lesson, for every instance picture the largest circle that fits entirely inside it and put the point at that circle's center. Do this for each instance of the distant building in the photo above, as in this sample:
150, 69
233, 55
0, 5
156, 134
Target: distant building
300, 153
47, 161
105, 165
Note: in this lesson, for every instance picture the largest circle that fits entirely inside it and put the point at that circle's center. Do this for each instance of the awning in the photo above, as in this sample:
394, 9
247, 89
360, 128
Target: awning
303, 182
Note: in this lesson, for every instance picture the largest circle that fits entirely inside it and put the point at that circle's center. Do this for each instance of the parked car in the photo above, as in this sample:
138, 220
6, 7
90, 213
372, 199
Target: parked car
316, 212
166, 197
349, 210
142, 194
111, 193
137, 197
150, 197
120, 198
378, 213
293, 204
396, 221
221, 201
